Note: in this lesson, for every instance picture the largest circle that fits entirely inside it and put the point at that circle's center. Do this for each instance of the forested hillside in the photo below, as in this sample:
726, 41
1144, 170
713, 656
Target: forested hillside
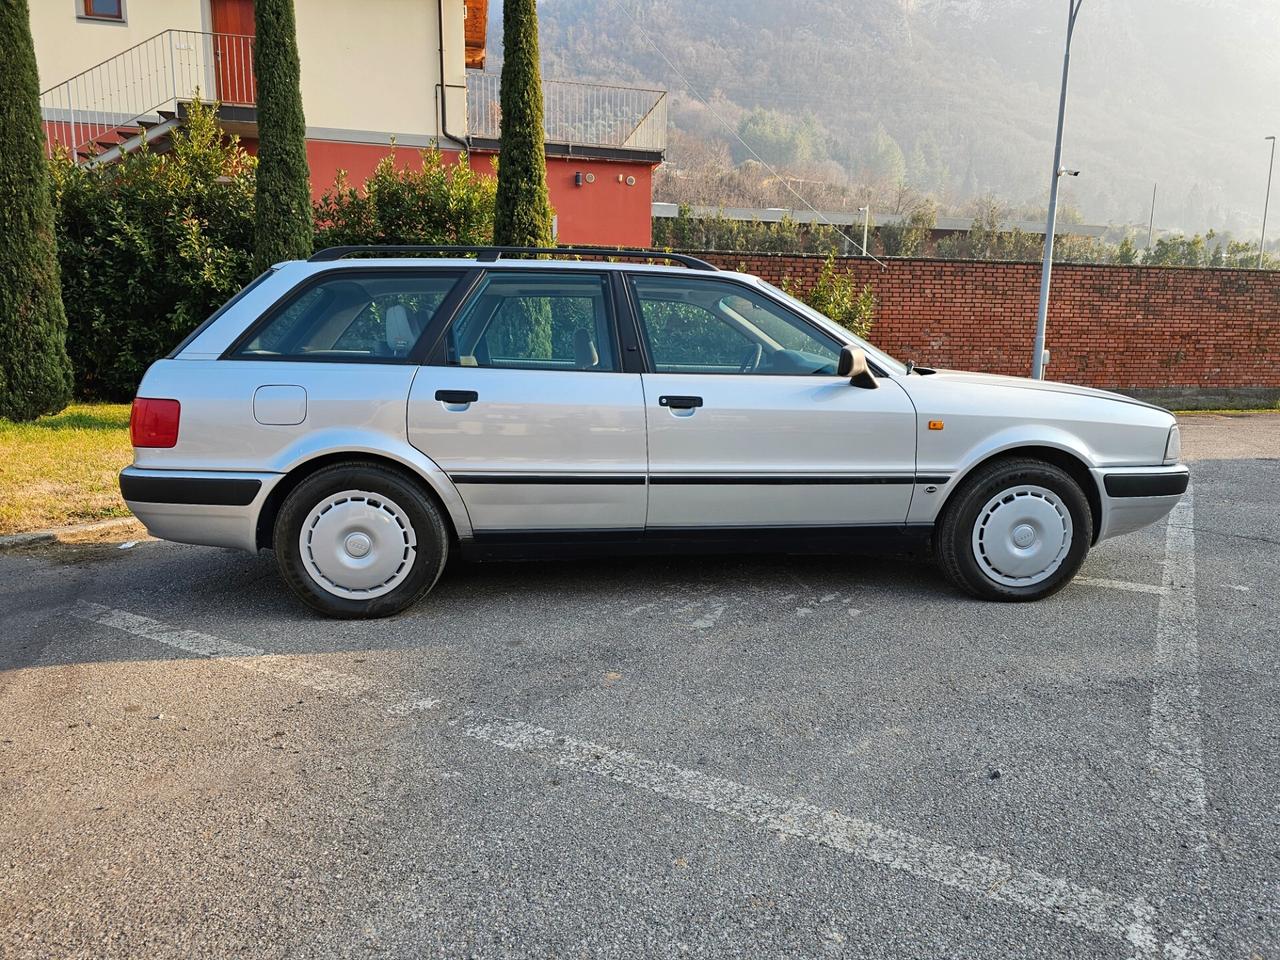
957, 98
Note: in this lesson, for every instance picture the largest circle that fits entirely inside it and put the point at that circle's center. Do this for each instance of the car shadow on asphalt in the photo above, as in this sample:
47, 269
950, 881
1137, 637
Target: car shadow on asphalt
199, 588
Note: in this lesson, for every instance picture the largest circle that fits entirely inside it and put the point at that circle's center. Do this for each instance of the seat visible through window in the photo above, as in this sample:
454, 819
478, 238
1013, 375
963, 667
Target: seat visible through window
536, 321
353, 315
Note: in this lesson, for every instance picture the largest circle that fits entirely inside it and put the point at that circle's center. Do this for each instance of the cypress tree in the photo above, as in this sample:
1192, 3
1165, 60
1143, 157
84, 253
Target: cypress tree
35, 374
283, 226
522, 215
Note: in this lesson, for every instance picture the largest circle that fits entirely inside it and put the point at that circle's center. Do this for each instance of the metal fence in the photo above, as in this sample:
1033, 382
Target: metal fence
112, 100
583, 114
115, 96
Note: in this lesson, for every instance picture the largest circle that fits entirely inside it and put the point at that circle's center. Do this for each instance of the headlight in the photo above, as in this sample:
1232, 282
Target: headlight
1173, 446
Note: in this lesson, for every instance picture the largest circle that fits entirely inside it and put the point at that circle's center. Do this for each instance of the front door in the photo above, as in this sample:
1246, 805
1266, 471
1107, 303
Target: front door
233, 30
748, 423
527, 410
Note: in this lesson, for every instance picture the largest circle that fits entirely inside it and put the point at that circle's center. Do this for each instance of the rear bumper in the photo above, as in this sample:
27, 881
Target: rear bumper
211, 508
1135, 497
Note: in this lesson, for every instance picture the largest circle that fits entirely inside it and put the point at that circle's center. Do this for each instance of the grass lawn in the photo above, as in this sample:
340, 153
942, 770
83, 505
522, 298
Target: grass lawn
62, 469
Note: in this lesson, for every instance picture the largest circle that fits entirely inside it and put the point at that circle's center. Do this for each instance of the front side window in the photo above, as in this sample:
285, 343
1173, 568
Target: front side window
536, 321
353, 316
696, 325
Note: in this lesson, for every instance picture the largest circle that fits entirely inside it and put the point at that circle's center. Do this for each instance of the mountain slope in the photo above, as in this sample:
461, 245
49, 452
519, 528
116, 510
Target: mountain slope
1176, 91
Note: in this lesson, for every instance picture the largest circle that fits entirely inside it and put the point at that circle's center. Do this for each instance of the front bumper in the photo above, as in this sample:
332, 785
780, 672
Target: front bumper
1135, 497
210, 508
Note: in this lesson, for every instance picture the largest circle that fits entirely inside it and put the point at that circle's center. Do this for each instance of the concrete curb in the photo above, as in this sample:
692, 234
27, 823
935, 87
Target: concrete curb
57, 533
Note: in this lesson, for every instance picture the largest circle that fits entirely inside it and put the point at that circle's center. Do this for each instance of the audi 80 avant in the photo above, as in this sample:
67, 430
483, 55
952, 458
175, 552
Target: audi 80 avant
367, 416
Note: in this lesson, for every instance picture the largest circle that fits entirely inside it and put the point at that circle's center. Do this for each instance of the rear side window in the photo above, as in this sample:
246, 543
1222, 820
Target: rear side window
536, 321
352, 316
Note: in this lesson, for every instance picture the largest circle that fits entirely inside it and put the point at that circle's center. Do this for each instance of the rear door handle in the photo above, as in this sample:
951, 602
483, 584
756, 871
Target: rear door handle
457, 396
680, 403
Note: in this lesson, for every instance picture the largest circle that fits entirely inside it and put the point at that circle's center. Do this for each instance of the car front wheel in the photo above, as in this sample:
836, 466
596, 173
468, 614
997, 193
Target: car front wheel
1017, 529
360, 540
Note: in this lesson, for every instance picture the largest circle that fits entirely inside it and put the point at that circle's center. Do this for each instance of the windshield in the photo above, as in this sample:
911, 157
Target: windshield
875, 355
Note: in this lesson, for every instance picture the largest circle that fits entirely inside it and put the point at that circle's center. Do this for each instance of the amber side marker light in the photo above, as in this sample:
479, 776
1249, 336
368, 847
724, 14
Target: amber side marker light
935, 424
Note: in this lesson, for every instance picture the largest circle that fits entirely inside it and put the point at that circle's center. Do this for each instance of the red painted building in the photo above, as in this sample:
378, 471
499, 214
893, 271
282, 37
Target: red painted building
408, 72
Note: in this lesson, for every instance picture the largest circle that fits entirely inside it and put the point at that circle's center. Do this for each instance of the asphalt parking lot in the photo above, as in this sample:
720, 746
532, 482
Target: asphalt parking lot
775, 757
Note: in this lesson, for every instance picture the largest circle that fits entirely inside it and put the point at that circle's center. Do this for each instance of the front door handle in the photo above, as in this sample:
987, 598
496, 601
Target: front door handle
680, 403
457, 396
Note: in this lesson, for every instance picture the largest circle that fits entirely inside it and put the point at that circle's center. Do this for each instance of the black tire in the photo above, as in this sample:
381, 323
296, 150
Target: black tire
954, 539
428, 528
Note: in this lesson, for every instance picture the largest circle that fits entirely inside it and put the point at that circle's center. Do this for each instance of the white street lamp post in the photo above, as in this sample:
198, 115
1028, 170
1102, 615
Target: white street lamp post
1267, 202
1151, 224
1037, 357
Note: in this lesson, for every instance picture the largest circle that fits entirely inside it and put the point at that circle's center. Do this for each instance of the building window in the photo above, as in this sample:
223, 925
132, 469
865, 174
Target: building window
102, 10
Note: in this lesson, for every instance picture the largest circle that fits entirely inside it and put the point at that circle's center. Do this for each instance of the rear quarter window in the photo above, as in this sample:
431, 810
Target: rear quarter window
350, 315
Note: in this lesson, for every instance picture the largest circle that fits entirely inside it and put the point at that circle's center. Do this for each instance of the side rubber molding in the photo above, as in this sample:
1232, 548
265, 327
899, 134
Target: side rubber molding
694, 479
1147, 484
208, 491
546, 544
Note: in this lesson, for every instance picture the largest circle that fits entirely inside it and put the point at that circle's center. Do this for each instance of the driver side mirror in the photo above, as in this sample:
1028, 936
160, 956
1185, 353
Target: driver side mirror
853, 364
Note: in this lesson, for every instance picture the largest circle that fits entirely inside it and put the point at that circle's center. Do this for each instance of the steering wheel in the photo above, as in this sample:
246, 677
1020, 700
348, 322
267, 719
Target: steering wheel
751, 359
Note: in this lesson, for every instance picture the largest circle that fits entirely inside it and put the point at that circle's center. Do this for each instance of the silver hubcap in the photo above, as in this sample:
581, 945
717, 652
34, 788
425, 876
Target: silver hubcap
1022, 536
358, 545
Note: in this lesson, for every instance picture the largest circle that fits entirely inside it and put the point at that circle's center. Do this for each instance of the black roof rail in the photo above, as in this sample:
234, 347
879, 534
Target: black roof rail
490, 253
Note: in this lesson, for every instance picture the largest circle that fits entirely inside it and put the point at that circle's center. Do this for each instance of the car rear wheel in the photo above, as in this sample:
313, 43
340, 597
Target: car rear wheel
1015, 530
360, 540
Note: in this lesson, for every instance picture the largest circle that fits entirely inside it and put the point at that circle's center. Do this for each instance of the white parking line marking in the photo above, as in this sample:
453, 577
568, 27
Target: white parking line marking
301, 672
1085, 907
1176, 760
1121, 585
1178, 783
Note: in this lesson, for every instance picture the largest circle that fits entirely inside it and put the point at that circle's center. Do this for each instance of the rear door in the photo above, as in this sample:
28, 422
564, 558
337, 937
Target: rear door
526, 407
748, 423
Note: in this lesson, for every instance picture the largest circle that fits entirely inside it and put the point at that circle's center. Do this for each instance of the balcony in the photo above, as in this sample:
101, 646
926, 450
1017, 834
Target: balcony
578, 114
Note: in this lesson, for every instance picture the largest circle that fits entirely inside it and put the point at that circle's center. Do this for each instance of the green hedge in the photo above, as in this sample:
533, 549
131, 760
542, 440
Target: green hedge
149, 247
432, 203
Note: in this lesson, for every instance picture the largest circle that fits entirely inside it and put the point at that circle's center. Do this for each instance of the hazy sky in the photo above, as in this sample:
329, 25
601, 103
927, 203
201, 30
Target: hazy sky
1176, 91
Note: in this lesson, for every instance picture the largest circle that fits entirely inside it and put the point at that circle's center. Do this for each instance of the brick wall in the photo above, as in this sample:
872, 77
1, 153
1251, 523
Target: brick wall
1127, 328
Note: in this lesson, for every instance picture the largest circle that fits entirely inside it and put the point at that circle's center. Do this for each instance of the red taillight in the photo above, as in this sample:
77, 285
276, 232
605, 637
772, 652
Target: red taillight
154, 423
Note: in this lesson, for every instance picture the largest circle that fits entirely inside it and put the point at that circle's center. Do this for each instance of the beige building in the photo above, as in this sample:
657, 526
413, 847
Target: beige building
116, 72
372, 71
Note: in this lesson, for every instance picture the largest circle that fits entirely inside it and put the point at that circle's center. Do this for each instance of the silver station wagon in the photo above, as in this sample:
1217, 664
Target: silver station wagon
373, 410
